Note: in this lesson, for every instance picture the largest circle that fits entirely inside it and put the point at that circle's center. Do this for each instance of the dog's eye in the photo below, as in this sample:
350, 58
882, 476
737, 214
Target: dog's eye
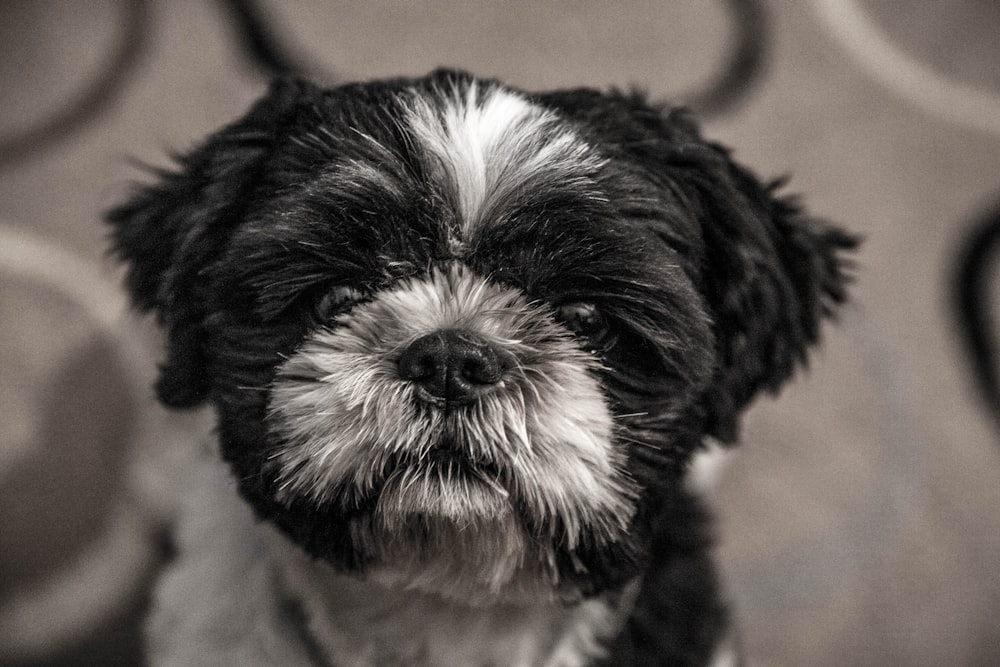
336, 300
584, 319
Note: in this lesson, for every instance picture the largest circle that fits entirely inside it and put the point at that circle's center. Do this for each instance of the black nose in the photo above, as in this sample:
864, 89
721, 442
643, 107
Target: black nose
451, 367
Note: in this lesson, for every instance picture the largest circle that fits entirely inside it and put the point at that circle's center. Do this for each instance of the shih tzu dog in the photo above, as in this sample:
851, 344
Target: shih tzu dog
462, 343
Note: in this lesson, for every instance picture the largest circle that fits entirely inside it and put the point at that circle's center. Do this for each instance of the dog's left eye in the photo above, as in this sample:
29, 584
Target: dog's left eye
336, 300
585, 319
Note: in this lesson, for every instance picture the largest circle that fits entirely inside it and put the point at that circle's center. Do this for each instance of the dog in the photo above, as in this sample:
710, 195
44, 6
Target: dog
462, 343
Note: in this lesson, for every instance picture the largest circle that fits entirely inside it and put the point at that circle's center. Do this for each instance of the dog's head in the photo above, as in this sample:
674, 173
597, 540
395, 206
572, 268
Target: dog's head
463, 336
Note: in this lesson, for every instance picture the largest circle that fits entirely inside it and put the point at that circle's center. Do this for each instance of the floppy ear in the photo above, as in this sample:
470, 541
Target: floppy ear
768, 272
169, 231
770, 276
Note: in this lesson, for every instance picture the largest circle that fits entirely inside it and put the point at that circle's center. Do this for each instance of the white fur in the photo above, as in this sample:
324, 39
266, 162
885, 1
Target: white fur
343, 411
727, 653
366, 623
488, 142
707, 467
224, 602
217, 605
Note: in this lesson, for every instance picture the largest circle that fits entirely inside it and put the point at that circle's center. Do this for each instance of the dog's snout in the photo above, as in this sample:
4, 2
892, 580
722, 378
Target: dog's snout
451, 366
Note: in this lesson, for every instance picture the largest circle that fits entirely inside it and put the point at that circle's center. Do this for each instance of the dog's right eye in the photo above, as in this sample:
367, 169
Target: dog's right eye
336, 300
585, 319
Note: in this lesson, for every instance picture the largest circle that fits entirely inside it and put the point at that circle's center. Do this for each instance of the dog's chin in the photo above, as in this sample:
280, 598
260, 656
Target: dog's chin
480, 560
449, 526
443, 487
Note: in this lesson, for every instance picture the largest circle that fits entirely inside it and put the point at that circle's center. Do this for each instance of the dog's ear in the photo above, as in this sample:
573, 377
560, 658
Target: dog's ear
168, 231
771, 274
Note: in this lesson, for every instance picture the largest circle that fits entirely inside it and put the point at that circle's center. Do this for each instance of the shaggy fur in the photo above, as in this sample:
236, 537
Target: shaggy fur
462, 343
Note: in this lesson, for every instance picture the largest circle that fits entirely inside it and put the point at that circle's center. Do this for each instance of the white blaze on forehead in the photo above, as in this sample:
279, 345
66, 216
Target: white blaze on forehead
488, 143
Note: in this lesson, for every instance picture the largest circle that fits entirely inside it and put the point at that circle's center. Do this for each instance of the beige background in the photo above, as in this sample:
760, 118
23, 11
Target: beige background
860, 521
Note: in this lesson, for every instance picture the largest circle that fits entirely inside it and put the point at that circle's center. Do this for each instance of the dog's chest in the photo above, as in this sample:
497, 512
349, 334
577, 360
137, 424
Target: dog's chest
359, 623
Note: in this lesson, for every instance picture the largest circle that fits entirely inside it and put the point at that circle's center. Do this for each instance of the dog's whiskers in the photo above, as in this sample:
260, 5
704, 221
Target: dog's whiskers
630, 415
641, 443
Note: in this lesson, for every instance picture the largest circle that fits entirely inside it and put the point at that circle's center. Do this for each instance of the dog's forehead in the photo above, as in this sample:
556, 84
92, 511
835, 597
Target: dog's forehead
380, 184
490, 150
412, 175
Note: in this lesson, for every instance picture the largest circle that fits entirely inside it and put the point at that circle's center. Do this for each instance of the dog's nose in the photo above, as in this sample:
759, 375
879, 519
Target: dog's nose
451, 367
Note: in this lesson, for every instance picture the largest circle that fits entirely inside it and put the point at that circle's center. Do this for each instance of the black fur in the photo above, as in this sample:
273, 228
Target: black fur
972, 292
715, 287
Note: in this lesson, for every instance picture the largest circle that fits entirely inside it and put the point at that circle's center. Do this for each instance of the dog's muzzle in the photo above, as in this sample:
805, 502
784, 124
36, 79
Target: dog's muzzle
452, 367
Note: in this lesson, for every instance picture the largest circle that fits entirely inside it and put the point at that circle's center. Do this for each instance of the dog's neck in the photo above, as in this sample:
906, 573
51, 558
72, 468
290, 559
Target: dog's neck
359, 622
348, 620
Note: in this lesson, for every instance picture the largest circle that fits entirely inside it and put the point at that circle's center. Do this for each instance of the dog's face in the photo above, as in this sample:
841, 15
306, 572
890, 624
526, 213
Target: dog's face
466, 338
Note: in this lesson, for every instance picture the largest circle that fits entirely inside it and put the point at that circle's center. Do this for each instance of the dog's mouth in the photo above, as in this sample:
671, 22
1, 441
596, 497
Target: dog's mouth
447, 459
445, 483
454, 463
